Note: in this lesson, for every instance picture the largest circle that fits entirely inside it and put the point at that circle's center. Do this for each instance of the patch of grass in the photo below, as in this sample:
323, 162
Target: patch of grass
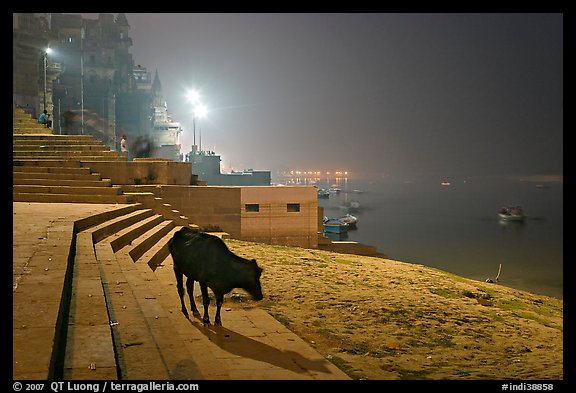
512, 305
445, 292
344, 366
451, 275
282, 319
326, 332
399, 313
444, 341
487, 293
289, 262
267, 304
529, 315
346, 262
413, 374
360, 349
276, 247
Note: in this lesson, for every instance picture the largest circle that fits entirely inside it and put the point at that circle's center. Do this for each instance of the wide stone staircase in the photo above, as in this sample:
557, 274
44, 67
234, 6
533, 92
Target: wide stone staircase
121, 322
47, 167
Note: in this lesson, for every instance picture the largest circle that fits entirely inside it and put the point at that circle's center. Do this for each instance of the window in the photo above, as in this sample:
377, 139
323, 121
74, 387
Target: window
252, 207
293, 207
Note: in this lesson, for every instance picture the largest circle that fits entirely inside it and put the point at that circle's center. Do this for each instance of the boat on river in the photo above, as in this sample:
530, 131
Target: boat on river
323, 193
349, 219
334, 225
512, 213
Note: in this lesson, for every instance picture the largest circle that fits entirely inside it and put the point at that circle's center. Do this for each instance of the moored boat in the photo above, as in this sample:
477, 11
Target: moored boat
511, 213
349, 219
323, 193
334, 225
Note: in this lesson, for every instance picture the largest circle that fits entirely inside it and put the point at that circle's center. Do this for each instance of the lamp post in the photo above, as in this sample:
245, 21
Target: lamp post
82, 78
198, 111
194, 98
46, 53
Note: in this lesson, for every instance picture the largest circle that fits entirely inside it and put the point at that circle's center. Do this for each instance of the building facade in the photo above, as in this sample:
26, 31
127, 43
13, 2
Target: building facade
206, 165
88, 81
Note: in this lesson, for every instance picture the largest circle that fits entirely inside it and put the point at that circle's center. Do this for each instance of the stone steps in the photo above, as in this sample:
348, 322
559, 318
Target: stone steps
56, 175
78, 154
138, 340
52, 169
28, 146
55, 139
64, 182
67, 190
24, 123
56, 148
72, 198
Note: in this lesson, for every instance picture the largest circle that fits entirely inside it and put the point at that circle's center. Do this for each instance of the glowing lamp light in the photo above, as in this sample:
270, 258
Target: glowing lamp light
193, 96
200, 111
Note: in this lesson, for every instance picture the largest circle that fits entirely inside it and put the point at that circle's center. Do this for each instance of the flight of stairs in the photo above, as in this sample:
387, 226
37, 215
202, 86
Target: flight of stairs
123, 322
47, 167
24, 123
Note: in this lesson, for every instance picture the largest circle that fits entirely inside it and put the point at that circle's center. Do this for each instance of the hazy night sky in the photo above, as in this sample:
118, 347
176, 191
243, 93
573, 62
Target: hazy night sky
403, 95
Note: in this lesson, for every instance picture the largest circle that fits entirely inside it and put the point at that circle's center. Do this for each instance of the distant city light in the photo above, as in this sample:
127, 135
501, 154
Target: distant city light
317, 173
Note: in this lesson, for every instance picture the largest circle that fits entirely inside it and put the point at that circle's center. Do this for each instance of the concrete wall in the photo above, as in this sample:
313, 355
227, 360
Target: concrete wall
143, 172
273, 223
224, 208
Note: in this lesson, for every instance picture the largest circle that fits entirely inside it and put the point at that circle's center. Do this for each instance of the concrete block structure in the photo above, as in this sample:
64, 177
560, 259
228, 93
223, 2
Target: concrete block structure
280, 215
267, 214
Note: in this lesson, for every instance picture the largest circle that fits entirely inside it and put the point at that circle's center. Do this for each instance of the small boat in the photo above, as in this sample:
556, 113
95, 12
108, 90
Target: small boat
349, 219
511, 213
334, 189
323, 193
334, 225
445, 183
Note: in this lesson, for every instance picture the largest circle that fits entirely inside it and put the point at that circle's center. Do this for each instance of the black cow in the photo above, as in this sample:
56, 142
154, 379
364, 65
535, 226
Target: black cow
206, 258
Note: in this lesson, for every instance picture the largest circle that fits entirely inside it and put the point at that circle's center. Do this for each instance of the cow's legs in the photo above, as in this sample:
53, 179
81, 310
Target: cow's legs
219, 301
180, 287
190, 289
205, 303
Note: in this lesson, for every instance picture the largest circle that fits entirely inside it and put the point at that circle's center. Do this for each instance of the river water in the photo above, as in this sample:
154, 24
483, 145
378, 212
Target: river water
456, 227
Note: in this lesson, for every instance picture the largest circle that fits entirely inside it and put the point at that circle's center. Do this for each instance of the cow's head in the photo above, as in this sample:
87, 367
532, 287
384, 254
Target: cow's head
255, 289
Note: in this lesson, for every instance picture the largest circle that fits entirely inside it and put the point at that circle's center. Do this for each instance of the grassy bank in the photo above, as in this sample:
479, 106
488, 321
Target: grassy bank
383, 319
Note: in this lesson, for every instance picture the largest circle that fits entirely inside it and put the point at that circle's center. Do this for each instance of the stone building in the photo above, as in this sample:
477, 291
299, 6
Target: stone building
88, 82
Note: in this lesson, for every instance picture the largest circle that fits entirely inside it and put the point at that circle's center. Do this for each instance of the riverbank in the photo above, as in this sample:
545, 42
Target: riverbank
380, 319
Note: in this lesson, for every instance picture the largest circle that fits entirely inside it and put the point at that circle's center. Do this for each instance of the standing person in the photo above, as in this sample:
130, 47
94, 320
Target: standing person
124, 144
44, 118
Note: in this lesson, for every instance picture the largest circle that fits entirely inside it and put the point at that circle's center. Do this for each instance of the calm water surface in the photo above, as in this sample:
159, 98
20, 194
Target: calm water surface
456, 228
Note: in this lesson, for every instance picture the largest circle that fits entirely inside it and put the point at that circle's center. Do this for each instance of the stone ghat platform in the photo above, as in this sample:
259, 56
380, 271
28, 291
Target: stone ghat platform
94, 301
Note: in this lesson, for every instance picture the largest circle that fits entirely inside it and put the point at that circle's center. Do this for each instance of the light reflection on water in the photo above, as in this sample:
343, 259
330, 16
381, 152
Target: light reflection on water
456, 228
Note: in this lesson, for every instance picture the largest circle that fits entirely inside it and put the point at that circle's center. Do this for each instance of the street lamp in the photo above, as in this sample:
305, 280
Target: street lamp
46, 53
198, 111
